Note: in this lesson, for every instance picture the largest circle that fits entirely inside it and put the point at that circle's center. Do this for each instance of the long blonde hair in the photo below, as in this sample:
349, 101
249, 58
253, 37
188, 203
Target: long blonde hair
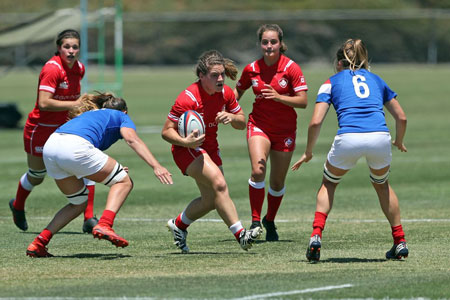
353, 54
93, 102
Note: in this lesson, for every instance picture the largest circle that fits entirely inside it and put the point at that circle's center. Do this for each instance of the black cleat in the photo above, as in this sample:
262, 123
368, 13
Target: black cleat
89, 224
398, 251
271, 230
255, 224
18, 216
313, 251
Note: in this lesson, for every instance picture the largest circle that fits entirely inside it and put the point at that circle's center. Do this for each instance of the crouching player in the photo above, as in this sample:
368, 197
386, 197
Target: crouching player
75, 151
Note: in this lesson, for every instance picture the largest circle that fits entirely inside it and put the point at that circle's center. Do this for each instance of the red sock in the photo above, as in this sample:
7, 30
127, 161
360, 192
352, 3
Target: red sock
398, 234
44, 237
319, 223
21, 197
89, 211
236, 235
273, 203
256, 202
180, 223
107, 217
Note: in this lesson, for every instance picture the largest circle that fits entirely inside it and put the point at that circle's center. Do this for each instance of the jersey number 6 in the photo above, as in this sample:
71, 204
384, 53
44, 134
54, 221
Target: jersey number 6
361, 88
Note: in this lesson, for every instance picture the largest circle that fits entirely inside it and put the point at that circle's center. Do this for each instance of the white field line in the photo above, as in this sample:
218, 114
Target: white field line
295, 292
150, 220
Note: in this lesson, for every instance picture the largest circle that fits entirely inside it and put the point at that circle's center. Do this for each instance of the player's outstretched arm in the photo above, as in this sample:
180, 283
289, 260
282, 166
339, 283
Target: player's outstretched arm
399, 116
130, 136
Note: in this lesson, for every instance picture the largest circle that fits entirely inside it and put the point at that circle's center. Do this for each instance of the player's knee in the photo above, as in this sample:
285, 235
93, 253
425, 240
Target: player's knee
379, 179
117, 174
330, 176
79, 197
38, 174
219, 184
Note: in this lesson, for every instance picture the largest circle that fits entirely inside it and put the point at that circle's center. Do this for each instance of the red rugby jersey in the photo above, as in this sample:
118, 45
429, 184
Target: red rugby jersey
196, 98
65, 85
286, 77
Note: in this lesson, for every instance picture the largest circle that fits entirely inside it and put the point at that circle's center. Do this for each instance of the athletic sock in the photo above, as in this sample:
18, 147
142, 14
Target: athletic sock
183, 222
44, 237
398, 234
320, 219
236, 229
273, 203
89, 211
23, 190
256, 193
107, 218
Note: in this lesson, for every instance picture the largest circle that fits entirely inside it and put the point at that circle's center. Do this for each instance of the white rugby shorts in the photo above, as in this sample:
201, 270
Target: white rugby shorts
68, 155
347, 148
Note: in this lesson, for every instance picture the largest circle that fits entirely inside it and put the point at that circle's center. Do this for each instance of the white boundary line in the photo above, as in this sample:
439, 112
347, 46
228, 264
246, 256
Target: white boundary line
278, 221
295, 292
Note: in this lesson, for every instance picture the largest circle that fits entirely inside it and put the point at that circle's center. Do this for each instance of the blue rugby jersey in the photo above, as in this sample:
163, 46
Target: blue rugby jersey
358, 98
100, 127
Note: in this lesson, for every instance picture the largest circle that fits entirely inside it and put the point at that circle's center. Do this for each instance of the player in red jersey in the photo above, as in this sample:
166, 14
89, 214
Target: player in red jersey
198, 155
279, 87
58, 91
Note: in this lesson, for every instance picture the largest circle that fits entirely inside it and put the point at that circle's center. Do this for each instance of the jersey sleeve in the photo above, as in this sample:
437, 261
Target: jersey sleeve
127, 122
49, 78
388, 94
324, 94
186, 100
231, 104
297, 78
245, 81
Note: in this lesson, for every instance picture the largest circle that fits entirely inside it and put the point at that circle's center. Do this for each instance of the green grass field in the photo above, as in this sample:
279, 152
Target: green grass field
354, 244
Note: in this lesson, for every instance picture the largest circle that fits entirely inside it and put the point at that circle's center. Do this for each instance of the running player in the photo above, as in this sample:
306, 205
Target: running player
358, 97
198, 155
279, 87
75, 151
58, 91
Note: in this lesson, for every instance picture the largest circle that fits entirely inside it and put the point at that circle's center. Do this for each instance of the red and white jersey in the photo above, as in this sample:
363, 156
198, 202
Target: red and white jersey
286, 77
196, 98
65, 85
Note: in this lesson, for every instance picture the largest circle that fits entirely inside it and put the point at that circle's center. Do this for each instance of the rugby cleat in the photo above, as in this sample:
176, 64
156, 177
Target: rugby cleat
271, 230
105, 232
179, 236
37, 249
89, 224
248, 237
255, 224
18, 216
313, 251
398, 251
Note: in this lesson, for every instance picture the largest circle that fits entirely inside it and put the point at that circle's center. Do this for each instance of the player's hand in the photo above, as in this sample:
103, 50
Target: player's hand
224, 117
400, 146
304, 159
194, 140
164, 176
270, 93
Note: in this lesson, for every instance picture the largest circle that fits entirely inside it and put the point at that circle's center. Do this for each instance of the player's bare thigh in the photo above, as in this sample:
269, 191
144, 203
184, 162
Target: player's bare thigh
258, 149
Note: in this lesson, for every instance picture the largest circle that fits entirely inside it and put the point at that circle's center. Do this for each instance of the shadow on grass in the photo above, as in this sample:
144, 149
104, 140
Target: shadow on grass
61, 232
103, 256
202, 253
346, 260
258, 241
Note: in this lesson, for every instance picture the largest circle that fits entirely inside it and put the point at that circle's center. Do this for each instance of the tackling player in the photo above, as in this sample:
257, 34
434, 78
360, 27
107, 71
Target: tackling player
198, 156
75, 151
358, 97
58, 91
279, 87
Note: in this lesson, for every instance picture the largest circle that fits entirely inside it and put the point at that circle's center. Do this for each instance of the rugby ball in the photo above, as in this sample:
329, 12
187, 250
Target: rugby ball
189, 121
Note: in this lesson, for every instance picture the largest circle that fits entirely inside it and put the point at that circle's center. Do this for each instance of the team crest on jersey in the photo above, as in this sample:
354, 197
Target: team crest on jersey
288, 142
255, 82
64, 85
283, 82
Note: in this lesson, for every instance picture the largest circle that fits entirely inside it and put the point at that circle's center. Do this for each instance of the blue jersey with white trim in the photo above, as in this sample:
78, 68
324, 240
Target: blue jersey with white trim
358, 98
100, 127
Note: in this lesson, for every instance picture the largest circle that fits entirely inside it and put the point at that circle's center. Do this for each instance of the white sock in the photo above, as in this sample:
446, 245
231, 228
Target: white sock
185, 219
236, 227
